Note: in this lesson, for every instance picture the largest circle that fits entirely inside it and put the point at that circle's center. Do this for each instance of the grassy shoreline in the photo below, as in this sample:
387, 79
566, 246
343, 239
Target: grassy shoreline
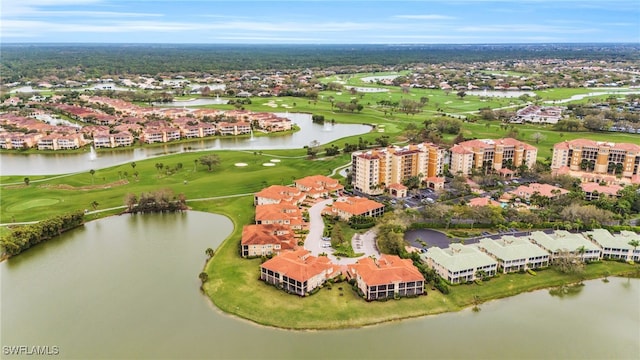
234, 288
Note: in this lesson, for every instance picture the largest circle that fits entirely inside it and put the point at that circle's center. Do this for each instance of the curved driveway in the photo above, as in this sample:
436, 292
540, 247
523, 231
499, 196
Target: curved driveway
361, 243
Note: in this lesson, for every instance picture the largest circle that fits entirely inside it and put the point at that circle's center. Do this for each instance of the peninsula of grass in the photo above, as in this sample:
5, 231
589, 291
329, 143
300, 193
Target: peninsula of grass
235, 288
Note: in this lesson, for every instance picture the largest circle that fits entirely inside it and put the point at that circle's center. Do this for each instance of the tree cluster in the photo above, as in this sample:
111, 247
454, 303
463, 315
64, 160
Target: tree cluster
162, 200
26, 236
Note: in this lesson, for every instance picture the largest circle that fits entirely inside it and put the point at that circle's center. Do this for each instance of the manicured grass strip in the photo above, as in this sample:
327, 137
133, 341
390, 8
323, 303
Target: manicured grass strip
234, 287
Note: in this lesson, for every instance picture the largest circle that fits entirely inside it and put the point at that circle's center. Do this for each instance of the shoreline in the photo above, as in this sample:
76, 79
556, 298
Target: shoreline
316, 312
462, 297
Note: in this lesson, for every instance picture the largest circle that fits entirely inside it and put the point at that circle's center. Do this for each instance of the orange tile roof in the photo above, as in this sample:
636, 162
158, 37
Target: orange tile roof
282, 211
356, 205
388, 269
603, 189
280, 192
483, 201
299, 265
542, 189
319, 181
267, 234
597, 144
397, 186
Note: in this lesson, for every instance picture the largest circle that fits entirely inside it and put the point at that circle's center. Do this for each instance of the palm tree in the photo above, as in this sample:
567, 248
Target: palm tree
209, 252
27, 181
635, 244
581, 250
133, 165
92, 172
94, 205
195, 164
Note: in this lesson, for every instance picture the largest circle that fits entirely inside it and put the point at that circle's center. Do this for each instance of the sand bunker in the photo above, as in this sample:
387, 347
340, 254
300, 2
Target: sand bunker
275, 160
268, 164
240, 164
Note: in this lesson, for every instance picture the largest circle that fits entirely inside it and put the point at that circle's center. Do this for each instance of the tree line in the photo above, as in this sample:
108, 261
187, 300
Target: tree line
25, 236
24, 61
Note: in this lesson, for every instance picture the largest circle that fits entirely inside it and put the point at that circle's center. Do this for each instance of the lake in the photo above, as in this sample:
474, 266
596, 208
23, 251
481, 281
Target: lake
55, 163
127, 287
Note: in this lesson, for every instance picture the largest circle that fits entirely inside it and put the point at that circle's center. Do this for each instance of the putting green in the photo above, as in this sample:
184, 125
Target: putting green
33, 203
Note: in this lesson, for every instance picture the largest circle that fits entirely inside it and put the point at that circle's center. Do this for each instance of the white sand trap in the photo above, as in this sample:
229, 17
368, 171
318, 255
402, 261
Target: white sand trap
382, 125
466, 102
338, 93
448, 102
268, 164
275, 160
380, 130
240, 164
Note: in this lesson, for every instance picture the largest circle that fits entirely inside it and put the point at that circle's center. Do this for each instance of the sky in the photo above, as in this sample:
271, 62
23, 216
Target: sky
320, 21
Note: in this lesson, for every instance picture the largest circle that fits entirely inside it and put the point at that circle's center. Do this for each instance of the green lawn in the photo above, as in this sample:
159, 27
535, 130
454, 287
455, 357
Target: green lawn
234, 287
43, 199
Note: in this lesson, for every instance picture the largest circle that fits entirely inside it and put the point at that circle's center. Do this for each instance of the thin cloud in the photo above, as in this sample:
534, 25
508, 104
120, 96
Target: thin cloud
525, 28
425, 17
99, 14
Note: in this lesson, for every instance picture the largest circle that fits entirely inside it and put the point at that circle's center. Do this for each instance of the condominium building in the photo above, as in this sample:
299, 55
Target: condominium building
597, 160
298, 272
460, 263
374, 170
487, 155
514, 253
388, 277
615, 246
560, 241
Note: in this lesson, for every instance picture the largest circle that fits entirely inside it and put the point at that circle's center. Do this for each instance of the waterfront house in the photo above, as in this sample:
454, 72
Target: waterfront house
460, 263
562, 240
514, 253
266, 239
283, 214
388, 277
298, 272
615, 246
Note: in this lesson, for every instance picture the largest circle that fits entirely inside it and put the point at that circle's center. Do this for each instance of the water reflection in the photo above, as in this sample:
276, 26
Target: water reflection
127, 287
54, 163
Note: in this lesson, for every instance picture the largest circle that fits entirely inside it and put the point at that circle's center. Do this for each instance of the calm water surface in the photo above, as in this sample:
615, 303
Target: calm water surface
52, 163
127, 287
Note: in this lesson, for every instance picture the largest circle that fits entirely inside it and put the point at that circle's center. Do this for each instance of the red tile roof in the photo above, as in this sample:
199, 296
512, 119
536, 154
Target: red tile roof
267, 234
388, 269
356, 205
300, 265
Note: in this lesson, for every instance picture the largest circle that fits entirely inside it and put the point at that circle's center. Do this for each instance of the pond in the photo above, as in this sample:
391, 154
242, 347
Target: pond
127, 287
55, 163
429, 237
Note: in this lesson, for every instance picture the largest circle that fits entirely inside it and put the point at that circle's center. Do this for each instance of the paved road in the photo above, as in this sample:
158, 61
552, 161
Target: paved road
364, 243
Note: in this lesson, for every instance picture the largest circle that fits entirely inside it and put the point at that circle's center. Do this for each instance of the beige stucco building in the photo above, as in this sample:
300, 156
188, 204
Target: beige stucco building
597, 161
374, 170
491, 155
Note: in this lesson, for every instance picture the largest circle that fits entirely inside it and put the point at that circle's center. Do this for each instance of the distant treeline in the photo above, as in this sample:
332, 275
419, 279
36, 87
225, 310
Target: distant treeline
26, 61
26, 236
